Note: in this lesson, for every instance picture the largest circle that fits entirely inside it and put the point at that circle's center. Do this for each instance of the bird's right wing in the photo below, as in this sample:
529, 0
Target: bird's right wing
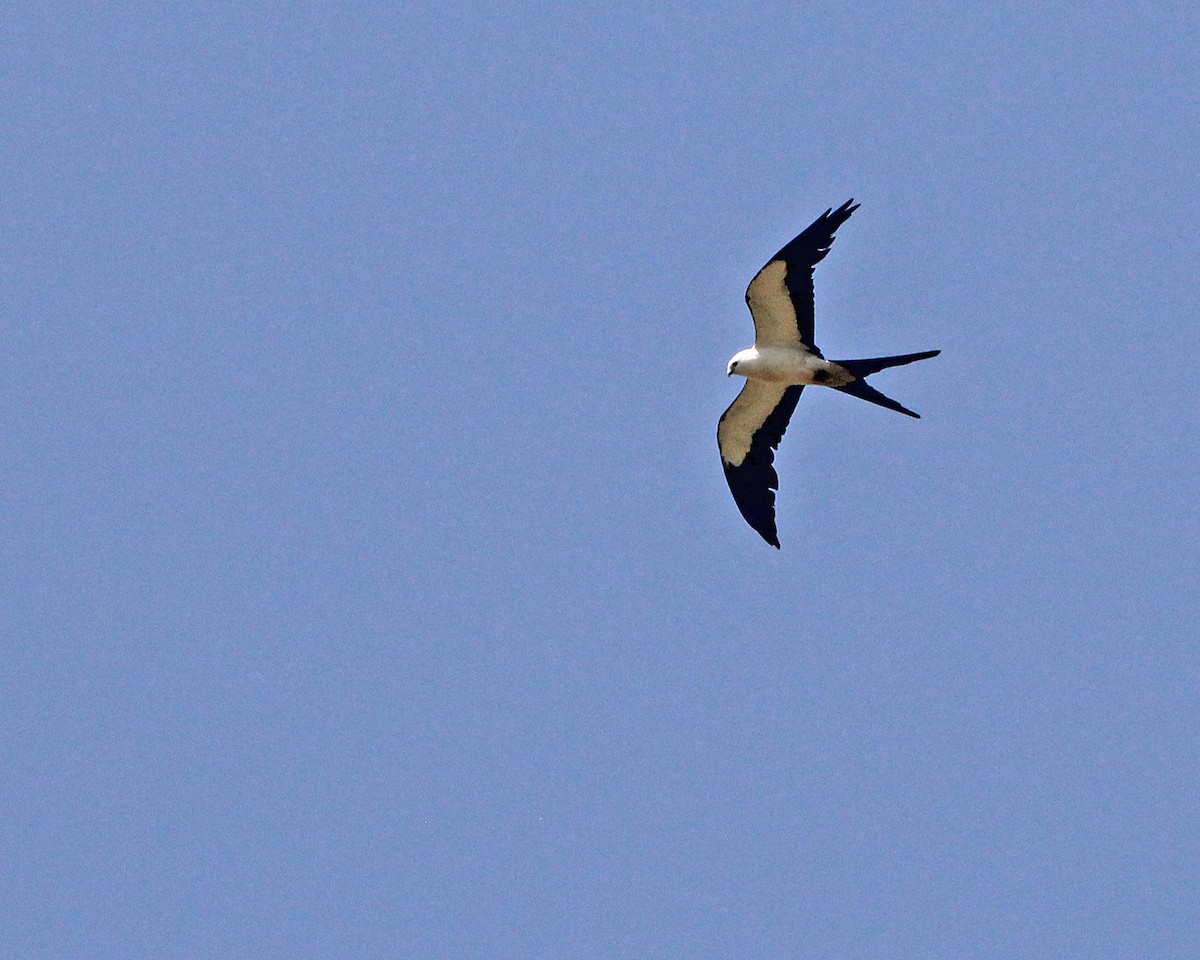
747, 435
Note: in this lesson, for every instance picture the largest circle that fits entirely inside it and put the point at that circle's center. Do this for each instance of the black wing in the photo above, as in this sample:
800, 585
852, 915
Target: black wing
780, 296
747, 435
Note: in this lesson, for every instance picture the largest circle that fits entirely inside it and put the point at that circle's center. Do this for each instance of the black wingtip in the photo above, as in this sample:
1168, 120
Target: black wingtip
843, 212
765, 528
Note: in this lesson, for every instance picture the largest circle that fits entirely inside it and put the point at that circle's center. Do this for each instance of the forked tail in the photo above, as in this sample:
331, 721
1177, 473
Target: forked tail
864, 368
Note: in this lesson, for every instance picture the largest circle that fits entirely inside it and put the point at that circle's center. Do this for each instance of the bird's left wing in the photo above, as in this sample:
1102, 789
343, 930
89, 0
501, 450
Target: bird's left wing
780, 296
747, 435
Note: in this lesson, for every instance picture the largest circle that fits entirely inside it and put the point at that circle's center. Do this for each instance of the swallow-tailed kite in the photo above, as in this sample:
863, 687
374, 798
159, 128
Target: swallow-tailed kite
782, 362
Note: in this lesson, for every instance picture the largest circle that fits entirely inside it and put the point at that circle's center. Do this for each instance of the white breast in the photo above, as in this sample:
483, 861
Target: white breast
782, 365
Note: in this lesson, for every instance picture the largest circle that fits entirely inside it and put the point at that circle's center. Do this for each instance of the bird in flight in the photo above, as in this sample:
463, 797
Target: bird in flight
782, 362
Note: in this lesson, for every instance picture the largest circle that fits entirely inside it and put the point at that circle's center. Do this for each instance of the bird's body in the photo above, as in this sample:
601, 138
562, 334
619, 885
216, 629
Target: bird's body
783, 361
795, 367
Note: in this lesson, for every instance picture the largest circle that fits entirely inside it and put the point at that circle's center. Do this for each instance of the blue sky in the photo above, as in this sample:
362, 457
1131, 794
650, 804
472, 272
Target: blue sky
371, 587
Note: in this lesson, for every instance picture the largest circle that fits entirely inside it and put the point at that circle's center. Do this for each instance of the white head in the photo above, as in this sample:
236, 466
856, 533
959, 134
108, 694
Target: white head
737, 359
